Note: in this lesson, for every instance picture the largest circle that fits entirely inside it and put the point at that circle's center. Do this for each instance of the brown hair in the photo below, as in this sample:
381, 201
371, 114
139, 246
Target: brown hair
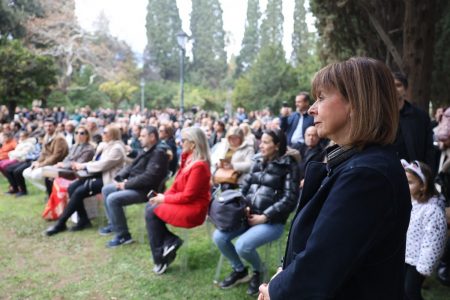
430, 188
367, 84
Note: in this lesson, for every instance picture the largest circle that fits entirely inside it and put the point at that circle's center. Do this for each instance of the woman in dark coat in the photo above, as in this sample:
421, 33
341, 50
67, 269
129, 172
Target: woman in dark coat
347, 240
271, 190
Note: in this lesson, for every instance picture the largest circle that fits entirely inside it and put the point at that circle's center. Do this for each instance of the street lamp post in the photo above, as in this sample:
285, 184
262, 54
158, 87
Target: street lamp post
182, 38
142, 94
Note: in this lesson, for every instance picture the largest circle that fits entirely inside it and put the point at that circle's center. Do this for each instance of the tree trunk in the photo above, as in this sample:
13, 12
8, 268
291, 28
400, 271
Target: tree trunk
12, 104
418, 45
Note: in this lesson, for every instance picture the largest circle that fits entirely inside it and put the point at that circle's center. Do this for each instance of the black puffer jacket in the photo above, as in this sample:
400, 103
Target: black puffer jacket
271, 188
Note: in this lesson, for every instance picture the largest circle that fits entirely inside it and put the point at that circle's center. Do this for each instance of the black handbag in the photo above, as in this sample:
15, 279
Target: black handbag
227, 210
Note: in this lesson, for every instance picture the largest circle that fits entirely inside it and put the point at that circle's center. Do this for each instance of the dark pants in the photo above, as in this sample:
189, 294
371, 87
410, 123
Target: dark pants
48, 185
78, 190
14, 175
158, 234
413, 283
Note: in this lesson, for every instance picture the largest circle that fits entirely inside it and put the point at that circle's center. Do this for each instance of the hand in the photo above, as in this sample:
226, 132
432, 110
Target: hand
264, 292
158, 199
120, 185
59, 165
35, 164
256, 219
77, 166
284, 111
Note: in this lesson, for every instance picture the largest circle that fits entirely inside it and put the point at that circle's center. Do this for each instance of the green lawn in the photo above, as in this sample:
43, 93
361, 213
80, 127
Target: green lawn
79, 266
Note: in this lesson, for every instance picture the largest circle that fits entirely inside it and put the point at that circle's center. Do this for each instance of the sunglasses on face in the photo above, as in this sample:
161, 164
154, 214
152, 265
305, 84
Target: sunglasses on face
80, 132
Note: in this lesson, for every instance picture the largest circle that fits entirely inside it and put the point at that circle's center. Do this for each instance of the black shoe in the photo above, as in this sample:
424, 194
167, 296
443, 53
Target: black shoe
443, 274
81, 225
235, 278
21, 194
57, 228
253, 285
172, 247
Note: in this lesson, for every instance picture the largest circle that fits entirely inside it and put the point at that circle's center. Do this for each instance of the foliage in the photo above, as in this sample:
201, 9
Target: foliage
84, 90
24, 76
162, 52
13, 14
272, 24
301, 45
57, 98
159, 94
440, 93
208, 49
269, 82
305, 71
118, 91
250, 42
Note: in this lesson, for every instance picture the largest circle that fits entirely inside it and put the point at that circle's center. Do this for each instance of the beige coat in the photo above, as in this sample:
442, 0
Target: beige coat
241, 159
54, 149
111, 160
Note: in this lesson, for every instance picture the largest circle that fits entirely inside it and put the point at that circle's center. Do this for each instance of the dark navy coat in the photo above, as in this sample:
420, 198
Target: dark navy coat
347, 240
289, 124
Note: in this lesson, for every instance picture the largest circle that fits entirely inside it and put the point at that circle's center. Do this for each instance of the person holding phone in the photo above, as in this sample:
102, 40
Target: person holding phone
132, 184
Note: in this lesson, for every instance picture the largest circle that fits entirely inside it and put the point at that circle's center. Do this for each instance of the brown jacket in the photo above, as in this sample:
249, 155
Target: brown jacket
54, 149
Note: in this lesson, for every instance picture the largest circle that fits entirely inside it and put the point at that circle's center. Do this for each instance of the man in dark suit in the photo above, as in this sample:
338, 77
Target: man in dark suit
295, 124
414, 136
132, 184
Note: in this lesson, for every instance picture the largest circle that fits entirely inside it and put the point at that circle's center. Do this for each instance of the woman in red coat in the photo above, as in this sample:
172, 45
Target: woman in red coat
185, 204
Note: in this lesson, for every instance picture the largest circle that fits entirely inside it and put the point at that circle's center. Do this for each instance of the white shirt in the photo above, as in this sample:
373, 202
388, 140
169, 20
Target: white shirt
426, 236
297, 136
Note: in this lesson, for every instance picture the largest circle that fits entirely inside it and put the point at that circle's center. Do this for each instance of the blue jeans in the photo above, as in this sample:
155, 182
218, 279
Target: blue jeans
249, 239
114, 201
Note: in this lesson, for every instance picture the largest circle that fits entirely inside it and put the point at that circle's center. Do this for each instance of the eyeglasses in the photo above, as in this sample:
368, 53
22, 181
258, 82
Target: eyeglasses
80, 132
105, 132
185, 140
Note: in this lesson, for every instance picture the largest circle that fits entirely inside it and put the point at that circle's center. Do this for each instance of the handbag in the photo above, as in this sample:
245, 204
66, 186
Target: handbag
222, 175
227, 210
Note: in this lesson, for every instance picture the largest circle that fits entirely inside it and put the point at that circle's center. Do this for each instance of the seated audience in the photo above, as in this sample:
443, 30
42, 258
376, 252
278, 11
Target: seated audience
233, 152
21, 158
9, 144
185, 204
271, 190
108, 160
54, 149
132, 184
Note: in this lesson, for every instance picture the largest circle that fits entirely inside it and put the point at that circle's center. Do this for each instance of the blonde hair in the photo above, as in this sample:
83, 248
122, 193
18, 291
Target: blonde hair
367, 84
114, 132
88, 133
198, 137
236, 131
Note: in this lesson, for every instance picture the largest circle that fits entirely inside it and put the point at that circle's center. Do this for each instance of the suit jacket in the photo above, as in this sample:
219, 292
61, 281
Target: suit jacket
307, 154
147, 171
347, 240
289, 124
417, 135
111, 160
53, 150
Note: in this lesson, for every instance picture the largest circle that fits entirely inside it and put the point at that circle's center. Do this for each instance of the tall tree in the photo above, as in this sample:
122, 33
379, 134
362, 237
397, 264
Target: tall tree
161, 53
208, 49
13, 14
300, 35
272, 25
250, 42
24, 76
399, 32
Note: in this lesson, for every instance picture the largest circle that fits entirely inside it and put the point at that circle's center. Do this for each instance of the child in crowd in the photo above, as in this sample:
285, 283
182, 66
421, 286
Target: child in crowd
427, 229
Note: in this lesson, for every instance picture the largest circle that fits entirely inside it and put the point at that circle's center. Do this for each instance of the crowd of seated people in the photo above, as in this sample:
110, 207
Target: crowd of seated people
123, 155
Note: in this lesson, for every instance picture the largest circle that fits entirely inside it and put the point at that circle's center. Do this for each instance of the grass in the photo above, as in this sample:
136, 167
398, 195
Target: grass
79, 266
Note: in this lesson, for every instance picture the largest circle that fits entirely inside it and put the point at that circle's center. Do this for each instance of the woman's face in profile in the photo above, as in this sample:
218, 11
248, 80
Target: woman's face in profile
187, 146
267, 146
331, 113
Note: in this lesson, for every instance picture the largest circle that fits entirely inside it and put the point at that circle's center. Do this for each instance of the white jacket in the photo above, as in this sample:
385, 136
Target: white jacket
22, 149
426, 236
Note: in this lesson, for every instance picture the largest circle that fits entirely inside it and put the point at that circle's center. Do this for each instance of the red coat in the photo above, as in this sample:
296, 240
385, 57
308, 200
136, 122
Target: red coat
186, 202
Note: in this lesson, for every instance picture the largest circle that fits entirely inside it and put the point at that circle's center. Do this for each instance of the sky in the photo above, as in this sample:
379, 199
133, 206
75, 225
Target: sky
127, 20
